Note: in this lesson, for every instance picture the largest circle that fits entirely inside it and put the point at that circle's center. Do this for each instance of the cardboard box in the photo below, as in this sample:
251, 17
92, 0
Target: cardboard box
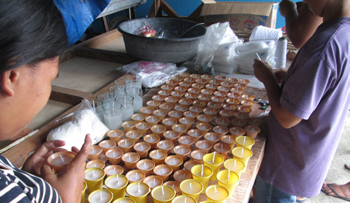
241, 15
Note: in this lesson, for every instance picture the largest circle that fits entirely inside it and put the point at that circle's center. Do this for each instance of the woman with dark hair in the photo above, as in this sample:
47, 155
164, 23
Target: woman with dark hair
32, 37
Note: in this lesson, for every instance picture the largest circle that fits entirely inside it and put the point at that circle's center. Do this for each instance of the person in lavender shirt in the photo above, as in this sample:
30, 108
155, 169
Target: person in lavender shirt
308, 110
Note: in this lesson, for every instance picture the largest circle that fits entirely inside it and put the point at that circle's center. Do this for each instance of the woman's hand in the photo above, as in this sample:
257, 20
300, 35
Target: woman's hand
69, 182
35, 162
263, 71
287, 6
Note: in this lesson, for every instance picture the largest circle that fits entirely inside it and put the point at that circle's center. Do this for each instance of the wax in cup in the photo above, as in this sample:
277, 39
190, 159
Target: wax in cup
228, 179
117, 184
59, 160
100, 196
138, 191
235, 165
202, 173
245, 141
192, 188
242, 154
163, 194
124, 200
183, 199
94, 178
214, 161
217, 193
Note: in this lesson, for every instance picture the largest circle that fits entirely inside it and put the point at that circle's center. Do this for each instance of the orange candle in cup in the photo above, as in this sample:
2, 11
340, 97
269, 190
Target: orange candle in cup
152, 104
237, 131
164, 92
139, 117
186, 121
186, 140
180, 107
126, 145
135, 176
222, 121
152, 139
196, 109
222, 130
204, 145
130, 159
199, 103
113, 170
175, 185
169, 122
107, 144
190, 114
166, 106
153, 181
160, 113
171, 100
171, 135
227, 114
174, 161
175, 114
165, 145
158, 98
128, 125
142, 149
177, 94
248, 97
181, 175
134, 135
158, 156
185, 101
189, 164
212, 137
143, 127
59, 160
197, 155
182, 150
254, 121
147, 111
203, 119
234, 101
158, 130
163, 171
222, 149
153, 120
179, 128
196, 134
231, 107
252, 131
228, 139
114, 155
237, 122
95, 152
204, 127
115, 135
146, 165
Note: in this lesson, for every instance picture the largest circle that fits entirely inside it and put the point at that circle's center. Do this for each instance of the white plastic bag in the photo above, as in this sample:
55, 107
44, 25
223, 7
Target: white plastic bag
153, 73
84, 122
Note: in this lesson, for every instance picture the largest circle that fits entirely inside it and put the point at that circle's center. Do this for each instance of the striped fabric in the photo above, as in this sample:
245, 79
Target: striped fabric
19, 186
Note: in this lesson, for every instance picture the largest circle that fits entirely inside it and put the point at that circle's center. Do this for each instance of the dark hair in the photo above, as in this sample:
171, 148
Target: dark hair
30, 31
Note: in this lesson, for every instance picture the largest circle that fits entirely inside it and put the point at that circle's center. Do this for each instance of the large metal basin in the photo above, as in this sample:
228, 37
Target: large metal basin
167, 49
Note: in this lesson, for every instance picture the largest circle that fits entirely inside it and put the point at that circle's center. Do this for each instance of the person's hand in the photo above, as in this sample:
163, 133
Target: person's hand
280, 74
263, 71
34, 163
69, 182
286, 6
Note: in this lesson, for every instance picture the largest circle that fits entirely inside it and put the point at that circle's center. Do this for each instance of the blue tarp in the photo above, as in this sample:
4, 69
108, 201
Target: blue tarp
78, 15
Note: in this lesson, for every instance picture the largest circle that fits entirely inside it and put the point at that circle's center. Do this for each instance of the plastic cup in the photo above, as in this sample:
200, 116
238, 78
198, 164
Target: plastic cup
217, 193
192, 188
101, 195
242, 154
163, 194
138, 191
229, 182
215, 166
124, 200
245, 141
114, 155
117, 185
146, 165
235, 165
94, 178
202, 173
95, 152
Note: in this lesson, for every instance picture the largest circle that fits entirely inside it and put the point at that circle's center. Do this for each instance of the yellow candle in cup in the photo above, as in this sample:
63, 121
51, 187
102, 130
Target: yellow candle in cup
163, 194
146, 166
138, 191
184, 198
94, 178
83, 193
202, 173
192, 188
124, 200
59, 160
117, 184
100, 196
228, 179
234, 165
242, 154
214, 161
217, 193
245, 141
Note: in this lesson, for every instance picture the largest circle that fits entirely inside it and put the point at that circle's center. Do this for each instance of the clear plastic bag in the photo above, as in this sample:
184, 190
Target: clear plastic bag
84, 121
153, 73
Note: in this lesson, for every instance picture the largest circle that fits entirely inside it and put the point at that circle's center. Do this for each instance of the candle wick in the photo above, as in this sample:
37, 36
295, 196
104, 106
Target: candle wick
202, 169
138, 190
242, 151
190, 187
244, 139
216, 192
62, 158
101, 197
214, 157
228, 177
163, 190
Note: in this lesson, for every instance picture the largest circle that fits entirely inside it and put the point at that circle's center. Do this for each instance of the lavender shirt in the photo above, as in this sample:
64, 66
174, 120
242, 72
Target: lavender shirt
316, 89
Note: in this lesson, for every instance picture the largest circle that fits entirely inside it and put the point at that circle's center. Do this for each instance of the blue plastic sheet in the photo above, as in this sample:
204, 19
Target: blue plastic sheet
78, 15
